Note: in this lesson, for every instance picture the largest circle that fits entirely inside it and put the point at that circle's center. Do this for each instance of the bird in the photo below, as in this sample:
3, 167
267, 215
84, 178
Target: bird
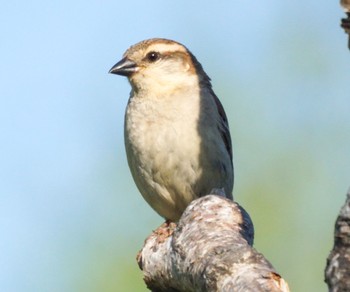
176, 132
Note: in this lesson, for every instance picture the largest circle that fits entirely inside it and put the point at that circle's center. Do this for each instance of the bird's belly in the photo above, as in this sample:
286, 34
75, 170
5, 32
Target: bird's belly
164, 165
171, 162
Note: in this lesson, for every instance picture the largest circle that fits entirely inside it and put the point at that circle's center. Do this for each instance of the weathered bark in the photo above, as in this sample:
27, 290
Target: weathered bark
337, 273
210, 249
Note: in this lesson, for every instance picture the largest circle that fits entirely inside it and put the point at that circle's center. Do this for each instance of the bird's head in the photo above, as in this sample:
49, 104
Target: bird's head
160, 65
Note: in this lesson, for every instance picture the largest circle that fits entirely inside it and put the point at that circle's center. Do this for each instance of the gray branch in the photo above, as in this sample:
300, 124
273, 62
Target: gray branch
210, 249
337, 274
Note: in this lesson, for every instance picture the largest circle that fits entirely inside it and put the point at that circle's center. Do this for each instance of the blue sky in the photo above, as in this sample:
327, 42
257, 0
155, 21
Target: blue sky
67, 200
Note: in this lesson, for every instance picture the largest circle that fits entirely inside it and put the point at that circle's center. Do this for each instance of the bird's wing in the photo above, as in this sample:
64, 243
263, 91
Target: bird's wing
223, 126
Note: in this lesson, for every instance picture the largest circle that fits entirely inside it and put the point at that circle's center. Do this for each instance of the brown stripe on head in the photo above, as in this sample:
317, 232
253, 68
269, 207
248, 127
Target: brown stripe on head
148, 45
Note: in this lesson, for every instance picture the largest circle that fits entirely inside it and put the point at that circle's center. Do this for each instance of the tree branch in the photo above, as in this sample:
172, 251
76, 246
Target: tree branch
210, 249
337, 273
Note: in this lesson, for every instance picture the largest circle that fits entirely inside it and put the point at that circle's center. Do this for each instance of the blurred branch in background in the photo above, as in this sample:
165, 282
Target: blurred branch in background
337, 273
345, 22
210, 249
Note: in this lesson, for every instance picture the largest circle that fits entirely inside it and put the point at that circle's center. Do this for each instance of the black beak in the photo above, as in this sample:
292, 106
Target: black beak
124, 67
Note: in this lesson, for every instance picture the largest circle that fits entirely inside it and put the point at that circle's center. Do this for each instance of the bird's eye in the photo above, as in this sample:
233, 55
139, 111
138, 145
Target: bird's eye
152, 56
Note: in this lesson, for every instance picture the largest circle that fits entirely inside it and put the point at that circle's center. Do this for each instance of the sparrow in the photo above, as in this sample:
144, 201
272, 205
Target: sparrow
176, 132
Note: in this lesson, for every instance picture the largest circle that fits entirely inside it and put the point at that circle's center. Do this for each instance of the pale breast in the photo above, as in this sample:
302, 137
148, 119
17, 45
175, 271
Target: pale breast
163, 153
